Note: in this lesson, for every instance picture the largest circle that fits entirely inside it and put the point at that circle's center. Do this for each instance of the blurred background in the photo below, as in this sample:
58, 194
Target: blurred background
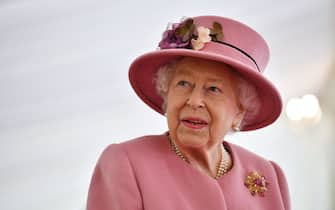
65, 95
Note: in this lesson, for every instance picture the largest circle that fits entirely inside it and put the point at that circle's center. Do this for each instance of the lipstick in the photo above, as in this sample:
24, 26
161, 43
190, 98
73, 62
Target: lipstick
194, 122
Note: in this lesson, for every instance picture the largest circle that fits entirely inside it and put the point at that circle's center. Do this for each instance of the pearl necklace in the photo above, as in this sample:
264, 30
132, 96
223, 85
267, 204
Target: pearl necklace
222, 167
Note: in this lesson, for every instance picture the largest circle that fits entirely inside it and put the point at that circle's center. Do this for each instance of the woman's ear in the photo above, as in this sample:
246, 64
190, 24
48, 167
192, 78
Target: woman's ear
238, 119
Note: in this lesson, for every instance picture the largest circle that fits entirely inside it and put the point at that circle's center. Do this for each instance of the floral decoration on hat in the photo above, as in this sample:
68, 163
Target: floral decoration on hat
256, 183
188, 36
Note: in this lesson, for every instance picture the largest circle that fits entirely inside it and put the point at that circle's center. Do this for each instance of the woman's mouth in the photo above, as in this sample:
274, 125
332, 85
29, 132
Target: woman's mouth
194, 123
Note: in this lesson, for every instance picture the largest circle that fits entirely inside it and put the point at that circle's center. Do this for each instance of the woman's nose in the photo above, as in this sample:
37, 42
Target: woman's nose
196, 98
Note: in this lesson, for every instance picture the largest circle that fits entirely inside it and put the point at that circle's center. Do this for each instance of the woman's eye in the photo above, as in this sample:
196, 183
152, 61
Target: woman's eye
214, 89
182, 83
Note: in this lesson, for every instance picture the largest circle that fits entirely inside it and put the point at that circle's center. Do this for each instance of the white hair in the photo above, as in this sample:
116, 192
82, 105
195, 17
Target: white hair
248, 98
163, 79
246, 93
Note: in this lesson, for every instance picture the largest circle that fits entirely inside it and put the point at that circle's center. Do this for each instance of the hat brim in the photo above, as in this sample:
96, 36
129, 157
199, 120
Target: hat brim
143, 71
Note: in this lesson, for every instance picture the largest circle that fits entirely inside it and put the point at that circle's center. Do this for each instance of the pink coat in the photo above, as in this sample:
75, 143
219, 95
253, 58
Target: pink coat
145, 174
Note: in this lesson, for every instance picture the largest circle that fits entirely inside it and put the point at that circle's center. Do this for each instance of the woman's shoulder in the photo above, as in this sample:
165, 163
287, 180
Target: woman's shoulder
244, 153
248, 159
145, 143
144, 140
137, 146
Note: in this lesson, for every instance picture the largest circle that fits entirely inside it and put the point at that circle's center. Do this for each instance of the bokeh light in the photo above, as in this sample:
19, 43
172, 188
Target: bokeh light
305, 109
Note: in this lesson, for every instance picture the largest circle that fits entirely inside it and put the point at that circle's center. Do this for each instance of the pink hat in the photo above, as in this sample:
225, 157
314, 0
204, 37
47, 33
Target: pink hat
229, 42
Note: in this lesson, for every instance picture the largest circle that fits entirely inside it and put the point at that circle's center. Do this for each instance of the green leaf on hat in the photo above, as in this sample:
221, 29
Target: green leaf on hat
186, 30
217, 30
180, 31
189, 23
189, 33
184, 27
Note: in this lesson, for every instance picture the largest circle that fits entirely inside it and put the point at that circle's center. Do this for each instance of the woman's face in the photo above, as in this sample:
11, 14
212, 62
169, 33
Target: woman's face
201, 103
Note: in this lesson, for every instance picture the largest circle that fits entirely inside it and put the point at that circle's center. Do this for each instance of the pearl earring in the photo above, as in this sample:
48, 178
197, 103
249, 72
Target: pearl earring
236, 128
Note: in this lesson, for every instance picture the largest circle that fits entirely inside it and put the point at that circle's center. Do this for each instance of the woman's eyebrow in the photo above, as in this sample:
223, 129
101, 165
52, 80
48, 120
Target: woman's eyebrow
217, 80
184, 73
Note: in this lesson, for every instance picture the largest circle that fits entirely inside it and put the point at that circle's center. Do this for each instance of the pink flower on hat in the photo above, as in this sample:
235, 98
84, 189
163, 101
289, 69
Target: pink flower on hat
203, 37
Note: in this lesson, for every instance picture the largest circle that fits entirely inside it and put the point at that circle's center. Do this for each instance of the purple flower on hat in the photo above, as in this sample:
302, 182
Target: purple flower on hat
171, 40
179, 36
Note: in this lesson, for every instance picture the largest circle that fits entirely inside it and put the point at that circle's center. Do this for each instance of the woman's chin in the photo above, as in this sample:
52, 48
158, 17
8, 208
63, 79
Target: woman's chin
192, 139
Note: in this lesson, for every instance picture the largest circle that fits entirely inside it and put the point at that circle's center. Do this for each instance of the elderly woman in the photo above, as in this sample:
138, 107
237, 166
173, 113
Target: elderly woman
207, 80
